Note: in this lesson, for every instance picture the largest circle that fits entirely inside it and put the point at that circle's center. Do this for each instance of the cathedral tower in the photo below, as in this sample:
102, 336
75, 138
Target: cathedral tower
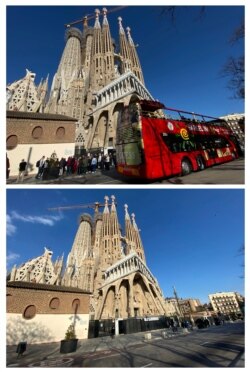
80, 262
67, 90
108, 51
105, 263
124, 49
92, 83
97, 65
137, 239
136, 66
129, 233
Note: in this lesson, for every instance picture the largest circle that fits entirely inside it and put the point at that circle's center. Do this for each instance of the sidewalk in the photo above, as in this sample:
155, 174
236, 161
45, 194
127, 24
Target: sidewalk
88, 178
49, 353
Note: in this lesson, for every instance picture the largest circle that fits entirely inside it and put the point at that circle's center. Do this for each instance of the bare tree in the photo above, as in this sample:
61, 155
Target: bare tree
171, 12
234, 68
238, 34
241, 252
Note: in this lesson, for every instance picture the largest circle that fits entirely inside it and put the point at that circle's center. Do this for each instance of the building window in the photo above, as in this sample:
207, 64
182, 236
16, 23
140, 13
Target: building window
60, 132
37, 132
54, 303
29, 312
76, 304
12, 142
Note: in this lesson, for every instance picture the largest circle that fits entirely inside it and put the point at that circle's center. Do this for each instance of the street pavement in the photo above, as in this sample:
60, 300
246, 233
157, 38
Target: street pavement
216, 346
227, 173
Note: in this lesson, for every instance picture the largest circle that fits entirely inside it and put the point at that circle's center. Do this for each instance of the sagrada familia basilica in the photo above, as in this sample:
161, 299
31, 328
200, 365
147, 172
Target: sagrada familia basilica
105, 262
93, 81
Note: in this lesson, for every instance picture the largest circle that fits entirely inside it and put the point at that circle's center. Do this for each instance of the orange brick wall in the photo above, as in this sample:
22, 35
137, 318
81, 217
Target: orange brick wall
19, 298
23, 128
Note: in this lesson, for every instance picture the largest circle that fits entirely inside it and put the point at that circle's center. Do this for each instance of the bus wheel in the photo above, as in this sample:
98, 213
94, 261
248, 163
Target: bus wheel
200, 162
186, 167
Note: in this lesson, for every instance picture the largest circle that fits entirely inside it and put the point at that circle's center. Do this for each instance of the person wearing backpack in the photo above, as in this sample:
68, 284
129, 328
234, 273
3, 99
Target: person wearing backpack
40, 165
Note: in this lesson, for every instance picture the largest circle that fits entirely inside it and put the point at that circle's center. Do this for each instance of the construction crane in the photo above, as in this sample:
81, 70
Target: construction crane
94, 206
91, 16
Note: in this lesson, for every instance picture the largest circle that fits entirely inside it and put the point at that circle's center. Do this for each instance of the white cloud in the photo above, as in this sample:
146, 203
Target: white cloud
44, 220
11, 258
11, 228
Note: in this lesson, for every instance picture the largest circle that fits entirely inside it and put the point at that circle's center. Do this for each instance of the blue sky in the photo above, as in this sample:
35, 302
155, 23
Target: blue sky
191, 237
181, 61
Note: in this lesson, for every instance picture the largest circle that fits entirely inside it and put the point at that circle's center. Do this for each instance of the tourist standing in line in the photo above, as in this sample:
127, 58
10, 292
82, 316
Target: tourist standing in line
22, 170
40, 167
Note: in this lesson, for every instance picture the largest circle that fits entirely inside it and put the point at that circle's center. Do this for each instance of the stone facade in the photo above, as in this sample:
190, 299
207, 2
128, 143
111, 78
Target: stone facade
46, 309
24, 95
113, 266
94, 81
108, 264
39, 270
31, 135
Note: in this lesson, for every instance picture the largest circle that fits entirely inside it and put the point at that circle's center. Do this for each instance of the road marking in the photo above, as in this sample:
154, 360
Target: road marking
147, 365
204, 343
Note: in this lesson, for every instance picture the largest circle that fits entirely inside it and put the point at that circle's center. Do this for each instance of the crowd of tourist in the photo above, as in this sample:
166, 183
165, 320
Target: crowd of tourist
53, 167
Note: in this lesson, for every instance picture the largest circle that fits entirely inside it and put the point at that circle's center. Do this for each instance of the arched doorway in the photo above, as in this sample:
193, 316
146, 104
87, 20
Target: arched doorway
124, 299
115, 115
108, 310
101, 131
142, 299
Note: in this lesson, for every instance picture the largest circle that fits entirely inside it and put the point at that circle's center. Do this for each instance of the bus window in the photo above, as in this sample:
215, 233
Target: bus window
220, 142
177, 144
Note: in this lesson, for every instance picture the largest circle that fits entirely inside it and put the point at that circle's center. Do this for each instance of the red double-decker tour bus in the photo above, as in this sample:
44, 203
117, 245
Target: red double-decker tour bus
151, 144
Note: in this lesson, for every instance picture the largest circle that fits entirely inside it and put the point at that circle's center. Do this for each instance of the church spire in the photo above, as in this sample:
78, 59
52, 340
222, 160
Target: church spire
130, 40
105, 20
115, 232
124, 48
126, 212
136, 66
108, 50
137, 238
113, 208
130, 239
97, 22
97, 68
106, 208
